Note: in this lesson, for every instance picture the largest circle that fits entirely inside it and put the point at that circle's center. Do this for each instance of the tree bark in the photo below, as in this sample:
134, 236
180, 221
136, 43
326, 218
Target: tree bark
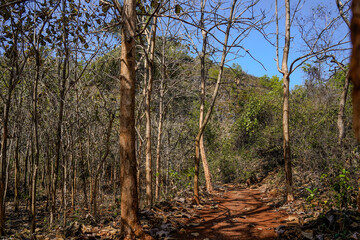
286, 92
160, 124
213, 100
101, 163
286, 142
36, 138
148, 163
3, 161
340, 121
202, 101
130, 224
61, 114
354, 72
341, 114
14, 74
16, 175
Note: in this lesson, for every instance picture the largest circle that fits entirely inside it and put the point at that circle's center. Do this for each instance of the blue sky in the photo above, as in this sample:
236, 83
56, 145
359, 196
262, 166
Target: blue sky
266, 53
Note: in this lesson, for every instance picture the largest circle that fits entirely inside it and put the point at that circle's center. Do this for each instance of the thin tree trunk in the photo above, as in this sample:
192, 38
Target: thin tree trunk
202, 101
208, 114
26, 168
61, 113
149, 192
101, 163
36, 138
138, 169
207, 173
286, 82
340, 121
160, 125
286, 146
4, 138
16, 175
341, 114
3, 162
73, 185
64, 191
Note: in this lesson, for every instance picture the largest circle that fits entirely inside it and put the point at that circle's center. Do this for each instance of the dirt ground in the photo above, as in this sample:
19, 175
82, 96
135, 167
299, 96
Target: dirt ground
240, 213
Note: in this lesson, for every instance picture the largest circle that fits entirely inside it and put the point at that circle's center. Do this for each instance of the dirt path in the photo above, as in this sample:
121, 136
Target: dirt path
238, 214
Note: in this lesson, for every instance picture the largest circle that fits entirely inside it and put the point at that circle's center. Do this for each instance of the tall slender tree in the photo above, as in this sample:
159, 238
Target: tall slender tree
286, 91
212, 104
129, 199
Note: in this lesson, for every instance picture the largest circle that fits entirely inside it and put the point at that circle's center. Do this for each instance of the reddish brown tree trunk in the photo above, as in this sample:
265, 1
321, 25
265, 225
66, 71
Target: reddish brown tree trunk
355, 66
355, 71
129, 199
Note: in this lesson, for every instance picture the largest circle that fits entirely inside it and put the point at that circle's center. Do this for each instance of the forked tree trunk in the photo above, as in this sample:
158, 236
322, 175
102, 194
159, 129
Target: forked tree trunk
202, 101
130, 224
213, 100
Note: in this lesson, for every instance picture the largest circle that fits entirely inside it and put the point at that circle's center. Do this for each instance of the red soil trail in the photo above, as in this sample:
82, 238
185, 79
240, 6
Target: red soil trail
239, 214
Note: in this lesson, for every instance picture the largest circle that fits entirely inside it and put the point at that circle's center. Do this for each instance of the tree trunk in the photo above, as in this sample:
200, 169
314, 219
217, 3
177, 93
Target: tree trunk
130, 224
36, 138
286, 91
16, 175
3, 161
160, 124
341, 114
354, 72
25, 186
202, 102
149, 192
61, 113
101, 163
213, 100
73, 185
207, 172
286, 142
340, 121
64, 191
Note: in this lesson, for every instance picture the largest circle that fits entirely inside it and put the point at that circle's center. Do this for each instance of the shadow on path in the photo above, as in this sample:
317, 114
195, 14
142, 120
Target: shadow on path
239, 214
